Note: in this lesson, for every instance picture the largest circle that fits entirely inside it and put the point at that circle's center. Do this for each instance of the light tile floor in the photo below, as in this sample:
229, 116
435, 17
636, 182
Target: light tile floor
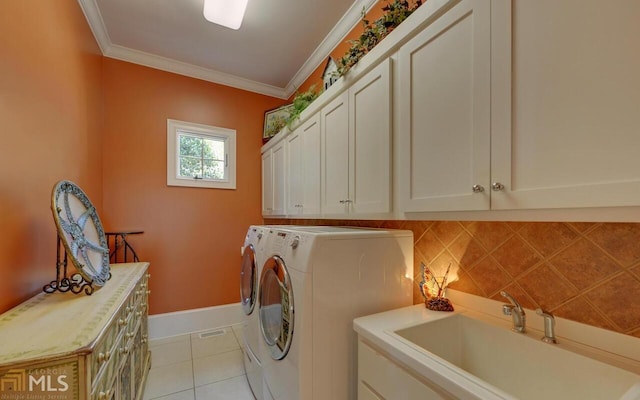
198, 367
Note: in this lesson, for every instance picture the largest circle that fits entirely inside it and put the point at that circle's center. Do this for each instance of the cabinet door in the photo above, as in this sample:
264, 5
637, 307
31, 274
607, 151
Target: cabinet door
370, 141
334, 125
565, 109
267, 183
311, 166
444, 111
278, 178
294, 172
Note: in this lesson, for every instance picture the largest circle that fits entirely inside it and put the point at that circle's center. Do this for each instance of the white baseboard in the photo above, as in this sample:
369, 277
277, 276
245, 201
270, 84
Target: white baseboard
188, 321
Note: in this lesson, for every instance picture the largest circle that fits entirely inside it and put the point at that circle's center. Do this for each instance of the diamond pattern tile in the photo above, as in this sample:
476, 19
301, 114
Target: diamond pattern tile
548, 237
429, 246
618, 299
490, 234
619, 240
489, 276
515, 256
418, 228
446, 231
466, 250
584, 265
580, 310
465, 284
547, 287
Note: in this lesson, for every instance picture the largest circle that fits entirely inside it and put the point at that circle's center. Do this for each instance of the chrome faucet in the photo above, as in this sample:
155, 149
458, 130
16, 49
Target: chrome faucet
516, 311
549, 324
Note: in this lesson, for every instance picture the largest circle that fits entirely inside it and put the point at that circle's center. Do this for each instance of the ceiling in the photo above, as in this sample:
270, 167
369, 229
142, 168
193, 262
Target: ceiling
279, 44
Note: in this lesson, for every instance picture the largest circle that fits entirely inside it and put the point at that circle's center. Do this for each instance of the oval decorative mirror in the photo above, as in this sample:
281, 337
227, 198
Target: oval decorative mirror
81, 232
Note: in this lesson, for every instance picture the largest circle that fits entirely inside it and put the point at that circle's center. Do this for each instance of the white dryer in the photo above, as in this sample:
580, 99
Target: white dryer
314, 282
253, 257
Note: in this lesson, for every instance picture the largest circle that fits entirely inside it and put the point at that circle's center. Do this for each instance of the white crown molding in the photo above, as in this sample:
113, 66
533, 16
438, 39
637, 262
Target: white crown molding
194, 71
96, 23
348, 21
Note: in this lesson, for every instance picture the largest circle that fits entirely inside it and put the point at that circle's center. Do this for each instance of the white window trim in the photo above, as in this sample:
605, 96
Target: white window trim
173, 127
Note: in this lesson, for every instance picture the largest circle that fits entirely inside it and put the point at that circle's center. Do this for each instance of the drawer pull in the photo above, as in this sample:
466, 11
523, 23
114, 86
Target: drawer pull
104, 357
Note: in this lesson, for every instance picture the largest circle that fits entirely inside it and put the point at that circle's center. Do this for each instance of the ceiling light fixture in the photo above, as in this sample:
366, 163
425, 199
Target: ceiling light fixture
227, 13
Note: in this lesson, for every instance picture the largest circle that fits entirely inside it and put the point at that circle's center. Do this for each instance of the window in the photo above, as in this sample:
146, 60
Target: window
200, 155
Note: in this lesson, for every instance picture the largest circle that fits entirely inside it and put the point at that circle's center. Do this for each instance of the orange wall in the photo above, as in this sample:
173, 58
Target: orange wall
192, 236
51, 115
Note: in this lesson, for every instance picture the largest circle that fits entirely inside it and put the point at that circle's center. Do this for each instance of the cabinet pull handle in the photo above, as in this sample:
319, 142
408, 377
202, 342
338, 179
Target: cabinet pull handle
478, 188
497, 187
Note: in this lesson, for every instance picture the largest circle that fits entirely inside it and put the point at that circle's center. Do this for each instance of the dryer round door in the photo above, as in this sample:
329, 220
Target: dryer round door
248, 280
276, 307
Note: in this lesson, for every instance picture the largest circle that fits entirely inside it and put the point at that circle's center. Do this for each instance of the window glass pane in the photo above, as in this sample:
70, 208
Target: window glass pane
190, 167
213, 169
214, 149
190, 146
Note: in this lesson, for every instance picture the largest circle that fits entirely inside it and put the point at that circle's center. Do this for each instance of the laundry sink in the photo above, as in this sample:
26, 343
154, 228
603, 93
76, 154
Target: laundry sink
519, 365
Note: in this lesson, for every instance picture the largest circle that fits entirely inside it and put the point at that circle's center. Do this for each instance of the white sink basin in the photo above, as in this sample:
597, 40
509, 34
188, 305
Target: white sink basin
521, 366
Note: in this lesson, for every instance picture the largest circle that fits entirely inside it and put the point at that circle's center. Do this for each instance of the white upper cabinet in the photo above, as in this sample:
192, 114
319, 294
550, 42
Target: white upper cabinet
303, 169
356, 147
334, 139
444, 112
294, 172
566, 106
370, 141
267, 183
273, 180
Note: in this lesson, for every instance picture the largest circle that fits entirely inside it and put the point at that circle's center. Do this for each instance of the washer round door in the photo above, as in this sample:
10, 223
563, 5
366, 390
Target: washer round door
276, 307
248, 280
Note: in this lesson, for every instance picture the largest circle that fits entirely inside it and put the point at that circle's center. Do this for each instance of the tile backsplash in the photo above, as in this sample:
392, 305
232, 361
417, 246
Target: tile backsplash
586, 272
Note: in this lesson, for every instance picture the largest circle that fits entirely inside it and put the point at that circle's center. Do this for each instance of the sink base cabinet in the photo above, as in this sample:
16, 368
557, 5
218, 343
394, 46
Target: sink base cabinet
76, 347
380, 378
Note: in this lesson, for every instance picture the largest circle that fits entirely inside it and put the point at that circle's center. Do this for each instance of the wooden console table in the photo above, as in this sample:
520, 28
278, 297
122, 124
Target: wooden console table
64, 346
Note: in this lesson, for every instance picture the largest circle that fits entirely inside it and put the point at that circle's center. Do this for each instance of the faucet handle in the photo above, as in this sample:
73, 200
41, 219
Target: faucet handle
549, 326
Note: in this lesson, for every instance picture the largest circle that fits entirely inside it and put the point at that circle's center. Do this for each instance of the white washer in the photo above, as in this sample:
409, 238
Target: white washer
253, 257
314, 282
